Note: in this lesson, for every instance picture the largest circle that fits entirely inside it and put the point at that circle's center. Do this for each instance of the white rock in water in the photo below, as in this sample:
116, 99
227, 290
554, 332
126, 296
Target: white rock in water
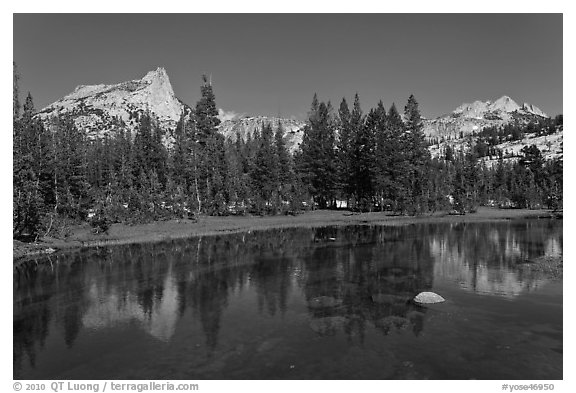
428, 298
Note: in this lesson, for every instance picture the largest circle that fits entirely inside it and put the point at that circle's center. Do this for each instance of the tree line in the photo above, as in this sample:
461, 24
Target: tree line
365, 162
380, 161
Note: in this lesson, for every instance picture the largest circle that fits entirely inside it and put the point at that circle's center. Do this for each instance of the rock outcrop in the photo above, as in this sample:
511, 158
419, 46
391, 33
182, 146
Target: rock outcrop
99, 109
247, 125
477, 115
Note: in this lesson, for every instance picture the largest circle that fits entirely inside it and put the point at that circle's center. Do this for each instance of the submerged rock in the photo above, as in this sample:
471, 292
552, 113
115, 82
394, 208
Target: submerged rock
428, 298
324, 301
415, 316
327, 325
269, 344
392, 322
385, 298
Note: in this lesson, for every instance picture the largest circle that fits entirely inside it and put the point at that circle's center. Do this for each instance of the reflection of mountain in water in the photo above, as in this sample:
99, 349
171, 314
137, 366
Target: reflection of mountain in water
108, 309
348, 279
489, 266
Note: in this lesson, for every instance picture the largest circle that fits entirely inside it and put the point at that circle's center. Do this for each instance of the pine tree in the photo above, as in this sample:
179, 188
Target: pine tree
554, 187
236, 186
265, 174
180, 159
143, 147
215, 175
15, 93
396, 172
70, 169
344, 152
356, 149
532, 159
381, 163
418, 157
210, 158
318, 166
283, 159
159, 154
206, 113
363, 155
30, 159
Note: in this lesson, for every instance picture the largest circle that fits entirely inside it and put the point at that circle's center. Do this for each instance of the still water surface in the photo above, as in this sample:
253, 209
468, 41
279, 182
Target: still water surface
331, 303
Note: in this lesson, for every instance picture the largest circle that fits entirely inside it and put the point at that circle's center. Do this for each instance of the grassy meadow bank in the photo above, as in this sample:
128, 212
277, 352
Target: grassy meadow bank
83, 236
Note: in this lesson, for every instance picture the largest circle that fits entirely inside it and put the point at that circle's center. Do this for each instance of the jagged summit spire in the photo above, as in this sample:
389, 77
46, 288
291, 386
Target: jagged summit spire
505, 104
153, 92
157, 74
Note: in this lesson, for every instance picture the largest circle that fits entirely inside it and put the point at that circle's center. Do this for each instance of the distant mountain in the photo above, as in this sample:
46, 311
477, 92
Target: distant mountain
98, 109
451, 130
293, 129
468, 118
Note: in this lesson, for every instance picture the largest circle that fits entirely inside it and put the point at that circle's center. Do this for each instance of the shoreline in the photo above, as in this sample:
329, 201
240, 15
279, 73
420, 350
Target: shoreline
119, 234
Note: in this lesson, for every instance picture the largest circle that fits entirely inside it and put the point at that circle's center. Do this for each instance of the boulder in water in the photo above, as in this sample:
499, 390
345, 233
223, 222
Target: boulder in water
428, 298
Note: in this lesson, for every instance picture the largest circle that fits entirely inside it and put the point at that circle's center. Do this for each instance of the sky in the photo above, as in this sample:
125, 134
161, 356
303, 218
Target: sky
272, 64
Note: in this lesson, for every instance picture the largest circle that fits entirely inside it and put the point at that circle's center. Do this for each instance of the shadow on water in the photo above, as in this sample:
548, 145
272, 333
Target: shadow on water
330, 302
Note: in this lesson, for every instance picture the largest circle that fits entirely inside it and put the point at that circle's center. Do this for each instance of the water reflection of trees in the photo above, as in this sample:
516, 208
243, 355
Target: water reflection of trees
351, 278
371, 281
483, 257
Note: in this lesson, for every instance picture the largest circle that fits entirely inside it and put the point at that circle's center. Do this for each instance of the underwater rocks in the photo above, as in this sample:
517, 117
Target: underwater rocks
327, 325
384, 298
324, 301
392, 322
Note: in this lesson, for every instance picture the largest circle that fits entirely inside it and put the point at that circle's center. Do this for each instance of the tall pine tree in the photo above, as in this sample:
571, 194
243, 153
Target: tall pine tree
418, 158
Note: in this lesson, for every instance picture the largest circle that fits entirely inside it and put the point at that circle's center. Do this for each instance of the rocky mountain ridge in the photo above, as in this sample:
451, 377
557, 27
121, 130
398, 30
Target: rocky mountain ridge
247, 125
99, 109
473, 117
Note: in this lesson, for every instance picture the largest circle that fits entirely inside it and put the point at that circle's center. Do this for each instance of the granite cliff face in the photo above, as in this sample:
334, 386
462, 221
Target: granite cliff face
98, 109
244, 126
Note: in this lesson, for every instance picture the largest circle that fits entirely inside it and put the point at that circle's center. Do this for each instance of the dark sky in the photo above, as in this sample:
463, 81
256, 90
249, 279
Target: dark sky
269, 64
